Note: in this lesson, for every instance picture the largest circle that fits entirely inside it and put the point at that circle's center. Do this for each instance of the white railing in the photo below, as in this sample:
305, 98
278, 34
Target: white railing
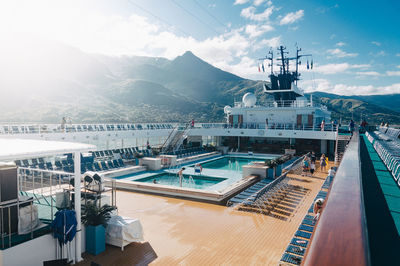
278, 126
57, 128
68, 128
285, 103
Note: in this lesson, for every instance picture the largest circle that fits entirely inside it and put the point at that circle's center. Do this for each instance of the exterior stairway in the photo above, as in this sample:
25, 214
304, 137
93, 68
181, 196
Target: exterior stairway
175, 138
341, 143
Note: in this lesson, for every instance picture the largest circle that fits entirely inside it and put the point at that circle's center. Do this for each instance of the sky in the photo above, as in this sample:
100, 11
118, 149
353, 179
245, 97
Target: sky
355, 45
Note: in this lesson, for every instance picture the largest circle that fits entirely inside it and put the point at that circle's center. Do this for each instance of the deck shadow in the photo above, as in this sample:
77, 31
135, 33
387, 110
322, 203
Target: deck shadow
133, 254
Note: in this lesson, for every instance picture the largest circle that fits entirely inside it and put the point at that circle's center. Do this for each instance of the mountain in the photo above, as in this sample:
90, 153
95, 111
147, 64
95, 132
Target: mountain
45, 81
348, 107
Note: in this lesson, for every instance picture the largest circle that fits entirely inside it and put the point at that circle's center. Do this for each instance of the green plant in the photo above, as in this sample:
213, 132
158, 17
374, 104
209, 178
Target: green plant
271, 163
94, 215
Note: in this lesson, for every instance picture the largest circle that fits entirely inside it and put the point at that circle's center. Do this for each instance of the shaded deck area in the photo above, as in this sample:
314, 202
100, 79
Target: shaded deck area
187, 232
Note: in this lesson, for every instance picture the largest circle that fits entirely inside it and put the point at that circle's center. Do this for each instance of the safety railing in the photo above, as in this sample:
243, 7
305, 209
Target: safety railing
285, 103
69, 128
54, 128
340, 237
278, 126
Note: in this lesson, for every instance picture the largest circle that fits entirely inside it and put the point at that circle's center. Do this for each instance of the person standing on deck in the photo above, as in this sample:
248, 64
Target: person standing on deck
323, 163
351, 126
323, 125
180, 174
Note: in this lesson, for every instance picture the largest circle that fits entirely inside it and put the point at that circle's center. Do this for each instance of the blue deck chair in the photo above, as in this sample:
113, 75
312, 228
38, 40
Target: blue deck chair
303, 234
299, 242
296, 260
110, 164
121, 163
296, 250
308, 222
89, 166
97, 166
116, 164
58, 164
103, 165
306, 228
49, 166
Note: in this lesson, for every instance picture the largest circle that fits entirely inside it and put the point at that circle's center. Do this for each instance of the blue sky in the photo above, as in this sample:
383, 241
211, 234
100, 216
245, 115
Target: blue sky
355, 44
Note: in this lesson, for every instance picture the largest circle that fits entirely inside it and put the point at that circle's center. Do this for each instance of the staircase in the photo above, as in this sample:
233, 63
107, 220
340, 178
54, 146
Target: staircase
175, 138
341, 143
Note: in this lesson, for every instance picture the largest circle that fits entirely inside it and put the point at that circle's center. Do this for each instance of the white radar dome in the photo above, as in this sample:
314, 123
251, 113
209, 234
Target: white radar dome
249, 99
227, 109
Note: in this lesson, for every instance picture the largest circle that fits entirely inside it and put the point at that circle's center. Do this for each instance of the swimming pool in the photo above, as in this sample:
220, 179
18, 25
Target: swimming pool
188, 181
231, 163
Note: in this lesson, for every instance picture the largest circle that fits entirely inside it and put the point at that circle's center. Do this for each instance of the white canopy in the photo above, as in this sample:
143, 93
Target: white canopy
11, 149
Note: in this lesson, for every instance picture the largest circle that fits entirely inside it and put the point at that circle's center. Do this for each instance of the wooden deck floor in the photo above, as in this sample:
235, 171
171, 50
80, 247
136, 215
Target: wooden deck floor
183, 232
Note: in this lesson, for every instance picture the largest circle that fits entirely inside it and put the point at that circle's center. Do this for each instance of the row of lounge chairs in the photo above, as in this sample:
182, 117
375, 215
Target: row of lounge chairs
250, 193
296, 249
188, 152
388, 151
127, 152
68, 166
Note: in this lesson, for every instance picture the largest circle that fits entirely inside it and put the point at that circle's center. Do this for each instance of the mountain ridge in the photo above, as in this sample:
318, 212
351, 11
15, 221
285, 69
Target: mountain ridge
98, 88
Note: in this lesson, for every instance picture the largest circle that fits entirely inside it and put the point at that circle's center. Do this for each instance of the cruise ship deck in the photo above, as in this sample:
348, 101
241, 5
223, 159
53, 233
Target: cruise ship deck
195, 233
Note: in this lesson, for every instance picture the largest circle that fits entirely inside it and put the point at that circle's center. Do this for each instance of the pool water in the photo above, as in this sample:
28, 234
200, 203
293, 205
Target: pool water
198, 182
230, 163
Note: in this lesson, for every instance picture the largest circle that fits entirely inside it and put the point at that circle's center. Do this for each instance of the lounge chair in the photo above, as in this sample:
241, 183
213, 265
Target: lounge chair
296, 260
299, 242
97, 166
103, 165
49, 166
116, 164
121, 163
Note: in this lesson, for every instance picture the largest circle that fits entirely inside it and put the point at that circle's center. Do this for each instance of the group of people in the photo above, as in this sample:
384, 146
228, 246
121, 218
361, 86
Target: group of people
309, 163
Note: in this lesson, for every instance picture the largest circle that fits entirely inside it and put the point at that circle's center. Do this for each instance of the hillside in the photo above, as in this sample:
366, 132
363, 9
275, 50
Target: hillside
51, 80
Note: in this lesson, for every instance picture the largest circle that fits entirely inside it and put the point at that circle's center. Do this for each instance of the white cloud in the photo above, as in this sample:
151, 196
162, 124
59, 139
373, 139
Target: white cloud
259, 2
292, 17
398, 54
240, 2
340, 53
249, 13
376, 43
324, 85
369, 73
267, 43
378, 54
338, 68
393, 73
257, 30
340, 44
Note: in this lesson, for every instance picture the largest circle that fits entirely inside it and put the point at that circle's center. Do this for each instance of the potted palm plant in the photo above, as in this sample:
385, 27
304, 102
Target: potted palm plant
95, 219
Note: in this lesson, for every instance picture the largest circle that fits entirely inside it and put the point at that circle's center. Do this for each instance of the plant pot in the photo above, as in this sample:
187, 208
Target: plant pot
278, 170
95, 239
271, 173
